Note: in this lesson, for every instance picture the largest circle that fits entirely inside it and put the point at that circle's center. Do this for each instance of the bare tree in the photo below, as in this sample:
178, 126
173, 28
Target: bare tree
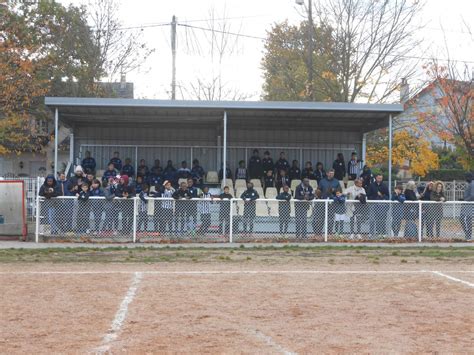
121, 50
375, 40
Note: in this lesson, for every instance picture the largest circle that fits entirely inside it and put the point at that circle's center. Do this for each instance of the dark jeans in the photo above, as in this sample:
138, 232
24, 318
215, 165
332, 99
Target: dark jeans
378, 219
205, 223
301, 214
284, 222
142, 221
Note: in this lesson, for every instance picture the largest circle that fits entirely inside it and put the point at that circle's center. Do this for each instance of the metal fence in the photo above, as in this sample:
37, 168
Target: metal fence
214, 220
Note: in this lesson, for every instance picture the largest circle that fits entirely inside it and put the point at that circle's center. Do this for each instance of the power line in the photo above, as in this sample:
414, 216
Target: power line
224, 32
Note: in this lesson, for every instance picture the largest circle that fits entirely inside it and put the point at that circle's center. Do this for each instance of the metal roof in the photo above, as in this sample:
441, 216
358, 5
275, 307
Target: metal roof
321, 115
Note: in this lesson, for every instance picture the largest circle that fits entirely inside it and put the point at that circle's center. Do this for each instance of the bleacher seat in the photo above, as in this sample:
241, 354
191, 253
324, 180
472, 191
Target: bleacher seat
256, 182
262, 209
271, 193
294, 185
313, 184
212, 177
259, 191
230, 183
240, 183
239, 192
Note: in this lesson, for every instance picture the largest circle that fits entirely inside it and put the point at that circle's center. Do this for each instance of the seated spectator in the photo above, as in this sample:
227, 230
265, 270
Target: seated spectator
282, 180
228, 173
128, 168
139, 184
95, 189
268, 181
184, 172
116, 161
295, 171
142, 169
74, 182
282, 164
308, 172
124, 189
319, 173
339, 167
157, 170
329, 185
169, 173
88, 163
197, 173
89, 178
241, 172
109, 173
267, 162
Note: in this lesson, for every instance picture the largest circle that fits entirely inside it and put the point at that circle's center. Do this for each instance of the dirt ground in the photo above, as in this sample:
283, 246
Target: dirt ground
245, 301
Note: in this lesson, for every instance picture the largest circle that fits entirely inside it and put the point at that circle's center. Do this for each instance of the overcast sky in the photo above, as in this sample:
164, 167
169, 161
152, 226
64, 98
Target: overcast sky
242, 70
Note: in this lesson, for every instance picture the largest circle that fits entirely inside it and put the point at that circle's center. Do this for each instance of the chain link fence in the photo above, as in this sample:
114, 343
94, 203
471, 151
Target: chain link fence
214, 220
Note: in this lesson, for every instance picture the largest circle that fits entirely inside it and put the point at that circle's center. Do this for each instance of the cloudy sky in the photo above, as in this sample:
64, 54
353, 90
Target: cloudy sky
251, 19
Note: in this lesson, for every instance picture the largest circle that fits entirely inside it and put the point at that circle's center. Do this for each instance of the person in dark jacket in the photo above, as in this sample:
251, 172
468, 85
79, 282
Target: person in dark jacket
142, 224
138, 185
268, 181
182, 195
437, 195
192, 205
255, 166
319, 173
62, 181
88, 164
169, 173
295, 171
308, 172
143, 170
125, 190
109, 173
339, 167
156, 169
467, 210
83, 210
97, 205
267, 163
75, 181
411, 211
397, 209
354, 167
127, 168
197, 173
426, 210
282, 164
282, 180
111, 207
284, 208
304, 193
378, 191
49, 190
241, 172
249, 196
184, 172
228, 173
339, 203
367, 177
116, 161
224, 212
329, 185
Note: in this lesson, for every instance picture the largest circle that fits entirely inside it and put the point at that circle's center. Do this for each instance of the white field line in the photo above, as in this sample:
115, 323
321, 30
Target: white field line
269, 340
120, 316
228, 272
470, 284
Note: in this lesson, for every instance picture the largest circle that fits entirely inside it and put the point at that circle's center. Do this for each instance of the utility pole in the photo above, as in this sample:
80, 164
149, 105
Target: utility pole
173, 61
310, 51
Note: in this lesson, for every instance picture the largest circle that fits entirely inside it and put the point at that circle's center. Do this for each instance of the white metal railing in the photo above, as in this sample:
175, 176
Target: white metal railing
236, 220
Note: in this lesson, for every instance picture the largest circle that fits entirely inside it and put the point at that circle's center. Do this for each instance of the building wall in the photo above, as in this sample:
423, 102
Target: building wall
32, 164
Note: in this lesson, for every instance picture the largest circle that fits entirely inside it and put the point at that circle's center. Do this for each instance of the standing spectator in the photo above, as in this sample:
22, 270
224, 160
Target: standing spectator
411, 211
109, 173
156, 169
284, 208
228, 173
357, 211
156, 175
197, 173
241, 172
397, 209
48, 190
467, 210
204, 209
143, 170
192, 205
75, 181
169, 173
282, 164
89, 178
182, 196
282, 180
143, 208
127, 168
249, 196
354, 167
97, 206
319, 173
329, 185
62, 181
295, 171
308, 172
125, 190
303, 193
267, 162
84, 209
116, 161
139, 184
339, 167
367, 177
88, 163
268, 181
255, 166
378, 191
426, 210
437, 195
166, 217
339, 202
224, 212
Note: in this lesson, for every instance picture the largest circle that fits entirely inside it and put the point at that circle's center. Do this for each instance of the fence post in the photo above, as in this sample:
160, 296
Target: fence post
454, 198
135, 212
37, 219
231, 219
420, 222
326, 207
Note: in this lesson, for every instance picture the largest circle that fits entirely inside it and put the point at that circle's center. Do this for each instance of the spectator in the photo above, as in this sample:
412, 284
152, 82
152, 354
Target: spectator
48, 190
267, 162
249, 196
437, 195
89, 178
166, 217
228, 173
184, 172
111, 208
378, 191
75, 181
354, 167
169, 173
143, 170
397, 209
204, 209
295, 171
88, 163
282, 180
84, 209
303, 193
139, 184
255, 166
308, 172
192, 205
181, 195
157, 170
426, 210
320, 173
329, 185
241, 172
125, 190
357, 211
284, 208
127, 168
339, 167
411, 211
142, 224
467, 210
339, 202
367, 177
197, 173
98, 206
268, 181
282, 164
224, 211
116, 161
62, 181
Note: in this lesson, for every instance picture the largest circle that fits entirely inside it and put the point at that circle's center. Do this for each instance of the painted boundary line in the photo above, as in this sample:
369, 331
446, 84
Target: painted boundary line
120, 316
230, 272
470, 284
269, 341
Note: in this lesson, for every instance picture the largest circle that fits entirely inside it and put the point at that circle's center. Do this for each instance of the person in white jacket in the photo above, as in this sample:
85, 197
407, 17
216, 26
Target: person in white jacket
356, 211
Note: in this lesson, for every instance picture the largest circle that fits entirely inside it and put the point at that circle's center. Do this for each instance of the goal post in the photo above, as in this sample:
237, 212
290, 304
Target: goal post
13, 208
